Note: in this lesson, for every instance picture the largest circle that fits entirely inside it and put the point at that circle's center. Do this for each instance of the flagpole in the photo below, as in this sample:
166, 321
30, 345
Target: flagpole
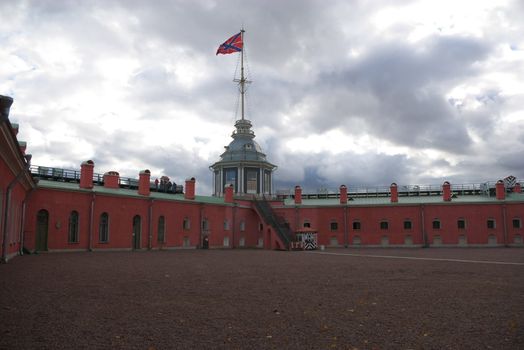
242, 79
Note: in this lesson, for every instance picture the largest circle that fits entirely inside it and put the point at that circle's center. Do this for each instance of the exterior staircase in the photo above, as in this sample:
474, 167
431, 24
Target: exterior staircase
264, 210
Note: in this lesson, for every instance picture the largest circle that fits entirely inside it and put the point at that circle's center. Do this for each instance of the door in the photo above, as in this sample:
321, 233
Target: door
137, 223
42, 223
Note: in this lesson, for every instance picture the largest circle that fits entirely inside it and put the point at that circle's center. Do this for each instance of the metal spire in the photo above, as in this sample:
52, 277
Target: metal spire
242, 81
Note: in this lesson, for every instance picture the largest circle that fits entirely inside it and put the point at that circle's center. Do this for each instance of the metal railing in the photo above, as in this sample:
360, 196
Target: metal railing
69, 175
265, 209
485, 188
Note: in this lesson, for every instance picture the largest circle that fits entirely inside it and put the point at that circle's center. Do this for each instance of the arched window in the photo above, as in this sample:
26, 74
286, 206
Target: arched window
72, 236
103, 228
161, 229
384, 225
436, 224
307, 223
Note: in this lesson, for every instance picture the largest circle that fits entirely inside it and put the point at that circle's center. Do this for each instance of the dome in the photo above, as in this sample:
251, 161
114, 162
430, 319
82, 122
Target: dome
243, 146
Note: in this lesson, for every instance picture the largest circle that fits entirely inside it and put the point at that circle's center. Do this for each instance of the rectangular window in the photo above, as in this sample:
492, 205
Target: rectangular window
516, 223
356, 225
461, 224
242, 225
251, 181
490, 223
230, 177
384, 225
186, 225
205, 224
334, 226
226, 225
436, 224
407, 225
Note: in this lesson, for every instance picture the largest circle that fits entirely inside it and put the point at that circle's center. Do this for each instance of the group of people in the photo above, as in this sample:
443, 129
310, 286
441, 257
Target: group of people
165, 185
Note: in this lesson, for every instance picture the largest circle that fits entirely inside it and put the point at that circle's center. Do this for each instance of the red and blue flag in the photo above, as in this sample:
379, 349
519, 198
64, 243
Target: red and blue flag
231, 45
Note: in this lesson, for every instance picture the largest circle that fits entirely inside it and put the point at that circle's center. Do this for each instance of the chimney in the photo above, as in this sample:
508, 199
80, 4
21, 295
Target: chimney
5, 106
144, 186
228, 194
190, 189
86, 174
500, 191
517, 188
23, 146
298, 195
446, 191
343, 194
111, 179
394, 192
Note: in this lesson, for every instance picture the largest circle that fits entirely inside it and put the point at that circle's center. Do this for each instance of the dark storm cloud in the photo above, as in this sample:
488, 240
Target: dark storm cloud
397, 92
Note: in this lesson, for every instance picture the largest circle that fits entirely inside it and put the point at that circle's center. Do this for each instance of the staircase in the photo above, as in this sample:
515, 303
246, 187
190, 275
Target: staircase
265, 211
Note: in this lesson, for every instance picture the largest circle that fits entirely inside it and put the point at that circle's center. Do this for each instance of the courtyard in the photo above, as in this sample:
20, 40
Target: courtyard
446, 298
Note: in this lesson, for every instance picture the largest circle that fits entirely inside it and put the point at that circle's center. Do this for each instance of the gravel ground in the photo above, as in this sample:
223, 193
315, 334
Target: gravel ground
253, 299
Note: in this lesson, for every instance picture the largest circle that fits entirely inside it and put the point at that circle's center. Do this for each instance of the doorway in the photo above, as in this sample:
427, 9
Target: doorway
137, 231
42, 225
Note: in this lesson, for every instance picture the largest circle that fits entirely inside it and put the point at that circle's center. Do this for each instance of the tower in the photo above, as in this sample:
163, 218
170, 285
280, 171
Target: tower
243, 164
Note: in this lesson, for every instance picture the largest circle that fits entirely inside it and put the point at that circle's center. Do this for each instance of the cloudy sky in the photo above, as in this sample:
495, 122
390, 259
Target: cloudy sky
343, 92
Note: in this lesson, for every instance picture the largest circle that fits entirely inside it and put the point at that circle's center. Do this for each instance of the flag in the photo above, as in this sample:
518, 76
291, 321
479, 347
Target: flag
231, 45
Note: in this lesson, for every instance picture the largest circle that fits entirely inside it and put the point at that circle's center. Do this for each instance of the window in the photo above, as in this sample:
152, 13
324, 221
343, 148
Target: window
356, 225
516, 223
261, 227
103, 228
436, 224
490, 223
334, 226
186, 224
408, 225
226, 224
307, 224
242, 225
73, 227
161, 229
461, 224
384, 225
205, 225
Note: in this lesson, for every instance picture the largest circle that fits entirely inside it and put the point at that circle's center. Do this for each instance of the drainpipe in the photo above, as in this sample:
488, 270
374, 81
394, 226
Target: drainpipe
201, 225
346, 238
233, 223
424, 235
91, 223
8, 203
22, 224
150, 224
505, 226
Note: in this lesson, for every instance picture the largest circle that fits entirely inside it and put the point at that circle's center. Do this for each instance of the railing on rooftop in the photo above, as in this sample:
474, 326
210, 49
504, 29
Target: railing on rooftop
485, 188
69, 175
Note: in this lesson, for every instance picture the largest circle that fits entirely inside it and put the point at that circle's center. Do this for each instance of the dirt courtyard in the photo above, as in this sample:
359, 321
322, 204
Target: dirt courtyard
252, 299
